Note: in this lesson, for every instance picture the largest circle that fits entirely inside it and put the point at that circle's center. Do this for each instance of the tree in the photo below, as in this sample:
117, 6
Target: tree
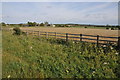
41, 24
20, 24
29, 23
17, 31
3, 24
46, 23
32, 24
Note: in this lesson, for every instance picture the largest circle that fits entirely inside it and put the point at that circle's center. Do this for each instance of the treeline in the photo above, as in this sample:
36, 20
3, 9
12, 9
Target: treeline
30, 24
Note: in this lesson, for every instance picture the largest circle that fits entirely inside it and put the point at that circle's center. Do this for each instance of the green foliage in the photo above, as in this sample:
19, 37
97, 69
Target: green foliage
28, 57
3, 24
41, 24
17, 31
32, 24
107, 28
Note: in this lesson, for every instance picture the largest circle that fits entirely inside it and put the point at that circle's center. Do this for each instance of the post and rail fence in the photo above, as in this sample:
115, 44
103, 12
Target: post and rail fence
76, 37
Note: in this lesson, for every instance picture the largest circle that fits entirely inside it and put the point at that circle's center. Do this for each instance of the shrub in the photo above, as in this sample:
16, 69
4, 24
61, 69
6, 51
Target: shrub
85, 27
17, 31
112, 28
107, 28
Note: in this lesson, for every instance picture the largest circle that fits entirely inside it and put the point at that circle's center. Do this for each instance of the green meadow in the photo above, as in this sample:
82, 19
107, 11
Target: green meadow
32, 57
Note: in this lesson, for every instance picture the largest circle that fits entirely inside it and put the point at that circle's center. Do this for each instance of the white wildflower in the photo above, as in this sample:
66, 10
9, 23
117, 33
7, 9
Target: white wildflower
104, 45
105, 63
80, 52
111, 47
93, 72
116, 53
8, 76
77, 42
73, 42
82, 70
31, 47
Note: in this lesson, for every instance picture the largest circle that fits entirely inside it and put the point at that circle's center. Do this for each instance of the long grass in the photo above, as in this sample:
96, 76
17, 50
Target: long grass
32, 57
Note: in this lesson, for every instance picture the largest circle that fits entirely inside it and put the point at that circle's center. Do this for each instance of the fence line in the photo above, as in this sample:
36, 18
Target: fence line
78, 37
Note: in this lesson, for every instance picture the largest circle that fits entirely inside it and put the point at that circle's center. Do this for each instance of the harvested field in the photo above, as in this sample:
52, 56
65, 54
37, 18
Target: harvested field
95, 32
101, 32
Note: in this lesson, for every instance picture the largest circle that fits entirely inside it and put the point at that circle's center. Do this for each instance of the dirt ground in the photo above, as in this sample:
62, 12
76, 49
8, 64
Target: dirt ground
101, 32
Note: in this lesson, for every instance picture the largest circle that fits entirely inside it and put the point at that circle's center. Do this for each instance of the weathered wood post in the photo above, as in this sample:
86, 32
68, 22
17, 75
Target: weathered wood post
80, 37
27, 32
97, 40
39, 34
46, 34
55, 35
66, 37
33, 32
119, 42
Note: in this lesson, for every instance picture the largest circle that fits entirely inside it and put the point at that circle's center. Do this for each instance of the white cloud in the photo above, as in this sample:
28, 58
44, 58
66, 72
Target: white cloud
63, 13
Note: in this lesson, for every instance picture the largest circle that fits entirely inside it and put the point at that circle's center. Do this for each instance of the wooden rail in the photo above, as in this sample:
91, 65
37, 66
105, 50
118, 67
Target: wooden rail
77, 37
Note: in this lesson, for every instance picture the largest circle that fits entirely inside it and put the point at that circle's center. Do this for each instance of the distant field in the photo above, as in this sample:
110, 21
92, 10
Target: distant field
101, 32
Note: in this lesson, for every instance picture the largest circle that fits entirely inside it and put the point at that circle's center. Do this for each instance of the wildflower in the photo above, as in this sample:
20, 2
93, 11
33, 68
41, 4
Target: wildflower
67, 71
80, 52
77, 42
31, 47
82, 70
116, 53
104, 45
93, 72
73, 42
105, 63
8, 76
111, 47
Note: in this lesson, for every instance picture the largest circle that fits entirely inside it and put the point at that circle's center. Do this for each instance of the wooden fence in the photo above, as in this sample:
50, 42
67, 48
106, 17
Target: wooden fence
77, 37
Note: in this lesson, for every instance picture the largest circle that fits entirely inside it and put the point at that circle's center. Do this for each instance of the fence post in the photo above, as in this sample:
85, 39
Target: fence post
66, 37
33, 33
39, 33
55, 35
119, 42
80, 37
27, 32
46, 34
97, 40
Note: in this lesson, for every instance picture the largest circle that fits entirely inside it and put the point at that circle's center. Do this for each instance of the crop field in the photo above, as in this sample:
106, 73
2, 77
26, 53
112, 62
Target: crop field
101, 32
31, 57
84, 31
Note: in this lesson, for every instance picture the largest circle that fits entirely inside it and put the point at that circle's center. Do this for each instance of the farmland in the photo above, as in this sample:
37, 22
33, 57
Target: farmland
101, 32
32, 57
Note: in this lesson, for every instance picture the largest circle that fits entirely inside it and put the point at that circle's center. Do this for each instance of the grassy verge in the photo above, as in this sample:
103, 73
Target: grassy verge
28, 57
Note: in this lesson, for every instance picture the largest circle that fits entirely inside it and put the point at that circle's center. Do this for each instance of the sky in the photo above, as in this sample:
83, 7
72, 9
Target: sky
60, 12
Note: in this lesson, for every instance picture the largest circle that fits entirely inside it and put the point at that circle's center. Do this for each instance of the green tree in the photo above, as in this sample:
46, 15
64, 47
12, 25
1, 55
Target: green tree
41, 24
17, 31
46, 23
3, 24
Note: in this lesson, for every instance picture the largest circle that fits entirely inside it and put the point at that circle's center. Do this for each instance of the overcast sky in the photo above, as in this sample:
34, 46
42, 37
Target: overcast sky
61, 12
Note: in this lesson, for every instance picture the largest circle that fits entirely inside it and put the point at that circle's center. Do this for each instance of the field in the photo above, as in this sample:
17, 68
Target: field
101, 32
32, 57
78, 31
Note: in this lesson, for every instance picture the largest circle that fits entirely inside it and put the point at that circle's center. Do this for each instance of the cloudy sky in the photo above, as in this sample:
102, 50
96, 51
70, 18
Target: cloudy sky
61, 12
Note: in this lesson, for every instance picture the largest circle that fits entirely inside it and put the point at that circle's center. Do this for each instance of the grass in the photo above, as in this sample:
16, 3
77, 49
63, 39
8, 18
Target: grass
30, 57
